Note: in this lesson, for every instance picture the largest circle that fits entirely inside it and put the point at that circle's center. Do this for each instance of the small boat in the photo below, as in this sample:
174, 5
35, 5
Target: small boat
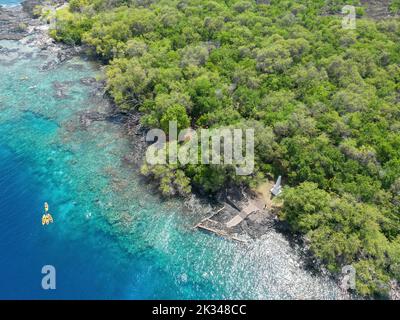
47, 217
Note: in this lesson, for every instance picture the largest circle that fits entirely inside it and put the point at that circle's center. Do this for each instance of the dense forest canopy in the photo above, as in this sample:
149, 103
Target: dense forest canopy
324, 102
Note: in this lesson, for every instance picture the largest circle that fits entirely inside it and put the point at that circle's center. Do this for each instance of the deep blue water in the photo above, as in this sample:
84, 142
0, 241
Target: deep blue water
111, 237
26, 246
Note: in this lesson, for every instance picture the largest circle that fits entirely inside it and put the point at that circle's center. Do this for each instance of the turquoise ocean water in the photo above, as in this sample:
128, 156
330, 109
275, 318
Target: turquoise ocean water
112, 236
9, 2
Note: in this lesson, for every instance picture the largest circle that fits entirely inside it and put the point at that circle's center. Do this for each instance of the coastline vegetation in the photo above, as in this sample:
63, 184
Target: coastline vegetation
395, 6
324, 102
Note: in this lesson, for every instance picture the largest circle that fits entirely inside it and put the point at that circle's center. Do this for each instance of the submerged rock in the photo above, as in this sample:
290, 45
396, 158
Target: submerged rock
87, 118
61, 89
88, 81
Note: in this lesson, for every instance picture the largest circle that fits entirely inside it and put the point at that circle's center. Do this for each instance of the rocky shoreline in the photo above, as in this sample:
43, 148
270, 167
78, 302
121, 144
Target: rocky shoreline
18, 23
14, 23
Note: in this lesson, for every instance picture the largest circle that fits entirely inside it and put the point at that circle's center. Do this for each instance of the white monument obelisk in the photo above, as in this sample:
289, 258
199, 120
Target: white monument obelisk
277, 188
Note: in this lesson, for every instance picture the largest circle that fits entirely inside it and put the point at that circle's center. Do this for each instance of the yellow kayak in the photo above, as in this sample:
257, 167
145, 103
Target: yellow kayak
47, 218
